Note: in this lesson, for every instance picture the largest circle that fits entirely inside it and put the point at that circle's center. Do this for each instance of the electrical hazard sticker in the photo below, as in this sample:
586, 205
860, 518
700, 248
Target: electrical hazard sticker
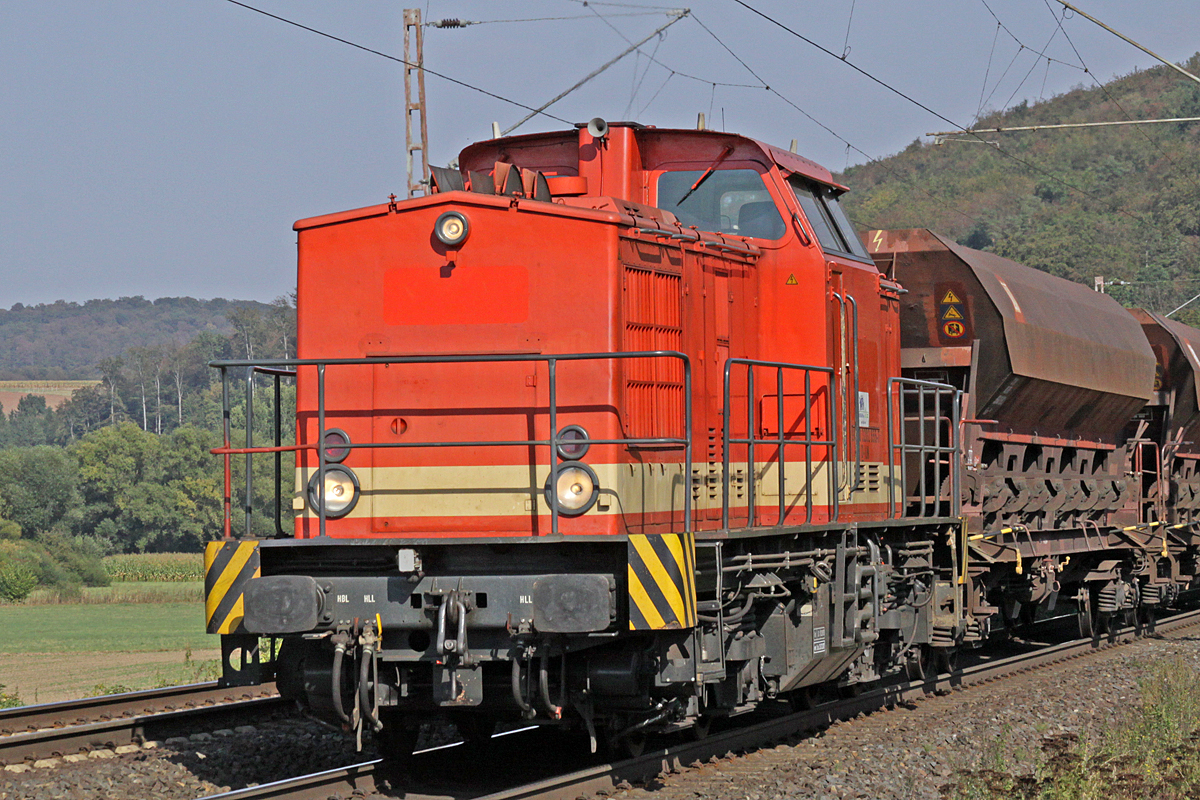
952, 318
791, 281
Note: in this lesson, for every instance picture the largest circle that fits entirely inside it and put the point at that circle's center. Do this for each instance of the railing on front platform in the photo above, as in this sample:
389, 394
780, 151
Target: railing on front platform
281, 368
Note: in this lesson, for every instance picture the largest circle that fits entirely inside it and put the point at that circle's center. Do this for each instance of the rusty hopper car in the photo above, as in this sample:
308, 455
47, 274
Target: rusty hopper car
624, 429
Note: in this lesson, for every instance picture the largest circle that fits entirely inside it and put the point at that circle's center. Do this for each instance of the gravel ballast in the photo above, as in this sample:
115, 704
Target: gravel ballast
903, 754
918, 752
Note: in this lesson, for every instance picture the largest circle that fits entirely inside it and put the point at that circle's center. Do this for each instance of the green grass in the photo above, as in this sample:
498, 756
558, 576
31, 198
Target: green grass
117, 627
1154, 752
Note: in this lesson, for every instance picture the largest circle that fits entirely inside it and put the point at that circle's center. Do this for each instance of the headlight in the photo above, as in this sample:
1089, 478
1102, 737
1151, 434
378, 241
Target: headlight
573, 442
341, 491
577, 489
451, 228
337, 445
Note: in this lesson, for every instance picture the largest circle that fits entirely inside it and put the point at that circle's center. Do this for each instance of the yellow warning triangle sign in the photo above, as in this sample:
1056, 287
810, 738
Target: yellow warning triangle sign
951, 313
791, 281
951, 297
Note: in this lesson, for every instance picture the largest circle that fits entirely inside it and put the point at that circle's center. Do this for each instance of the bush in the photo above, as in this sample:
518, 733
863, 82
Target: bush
16, 582
9, 700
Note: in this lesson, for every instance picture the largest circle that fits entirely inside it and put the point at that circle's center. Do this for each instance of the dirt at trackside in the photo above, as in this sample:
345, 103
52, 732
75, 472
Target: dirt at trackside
49, 677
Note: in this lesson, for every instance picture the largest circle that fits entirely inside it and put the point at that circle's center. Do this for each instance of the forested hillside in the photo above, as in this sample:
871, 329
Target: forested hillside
65, 341
1119, 202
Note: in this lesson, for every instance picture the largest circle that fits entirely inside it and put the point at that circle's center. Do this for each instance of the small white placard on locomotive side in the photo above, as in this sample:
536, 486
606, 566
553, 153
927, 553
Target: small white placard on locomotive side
864, 410
818, 641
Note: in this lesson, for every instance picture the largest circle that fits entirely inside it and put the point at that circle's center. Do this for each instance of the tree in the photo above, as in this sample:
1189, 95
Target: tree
39, 489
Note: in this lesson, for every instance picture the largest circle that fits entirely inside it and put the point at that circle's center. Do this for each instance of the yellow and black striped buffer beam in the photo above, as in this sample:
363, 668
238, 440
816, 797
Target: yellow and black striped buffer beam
228, 565
662, 581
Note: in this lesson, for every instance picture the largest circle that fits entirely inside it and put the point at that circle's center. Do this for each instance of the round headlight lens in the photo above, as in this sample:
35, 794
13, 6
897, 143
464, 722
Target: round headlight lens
573, 442
337, 445
577, 488
451, 228
341, 491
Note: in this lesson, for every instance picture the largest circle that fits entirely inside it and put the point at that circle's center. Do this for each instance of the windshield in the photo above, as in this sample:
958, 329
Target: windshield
727, 201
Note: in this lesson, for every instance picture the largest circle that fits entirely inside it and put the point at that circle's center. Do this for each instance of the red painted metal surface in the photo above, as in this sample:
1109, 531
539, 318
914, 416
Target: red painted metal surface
598, 272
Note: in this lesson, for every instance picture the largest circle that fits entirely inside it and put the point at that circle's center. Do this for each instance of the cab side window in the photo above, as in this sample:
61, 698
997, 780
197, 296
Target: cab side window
828, 219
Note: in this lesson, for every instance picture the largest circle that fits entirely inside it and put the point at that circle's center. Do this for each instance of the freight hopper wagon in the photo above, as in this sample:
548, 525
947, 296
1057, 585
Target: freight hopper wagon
1064, 492
606, 431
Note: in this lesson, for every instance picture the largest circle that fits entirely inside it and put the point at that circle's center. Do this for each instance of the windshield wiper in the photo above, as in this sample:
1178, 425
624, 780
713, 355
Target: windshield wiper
726, 153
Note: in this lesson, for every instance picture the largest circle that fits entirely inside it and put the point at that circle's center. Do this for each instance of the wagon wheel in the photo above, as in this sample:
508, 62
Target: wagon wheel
1087, 629
916, 665
947, 660
1149, 620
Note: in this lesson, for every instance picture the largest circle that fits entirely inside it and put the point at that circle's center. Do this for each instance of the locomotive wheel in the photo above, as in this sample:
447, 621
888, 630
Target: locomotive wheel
397, 741
476, 730
916, 665
1087, 630
849, 691
632, 745
947, 660
700, 728
804, 698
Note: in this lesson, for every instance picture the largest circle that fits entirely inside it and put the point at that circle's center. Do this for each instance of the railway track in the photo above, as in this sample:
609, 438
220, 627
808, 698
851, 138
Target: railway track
39, 731
371, 776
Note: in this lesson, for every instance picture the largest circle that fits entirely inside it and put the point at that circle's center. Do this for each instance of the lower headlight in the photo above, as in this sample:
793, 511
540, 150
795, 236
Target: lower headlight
577, 488
341, 491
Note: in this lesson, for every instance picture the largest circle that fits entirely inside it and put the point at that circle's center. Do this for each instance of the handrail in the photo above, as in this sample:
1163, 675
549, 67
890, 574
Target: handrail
927, 453
808, 442
289, 367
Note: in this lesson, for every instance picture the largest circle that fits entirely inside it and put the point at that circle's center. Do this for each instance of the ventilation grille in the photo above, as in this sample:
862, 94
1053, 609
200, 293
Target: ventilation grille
653, 386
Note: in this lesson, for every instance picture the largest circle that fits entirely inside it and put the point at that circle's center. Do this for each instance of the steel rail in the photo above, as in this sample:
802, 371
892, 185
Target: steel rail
170, 698
137, 728
604, 777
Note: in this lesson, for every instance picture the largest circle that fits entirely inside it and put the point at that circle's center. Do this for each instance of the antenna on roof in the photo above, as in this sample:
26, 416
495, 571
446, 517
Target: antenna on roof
700, 121
795, 144
495, 130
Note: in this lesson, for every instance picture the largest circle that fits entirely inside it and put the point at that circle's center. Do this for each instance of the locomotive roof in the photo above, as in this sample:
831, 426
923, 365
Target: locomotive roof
784, 158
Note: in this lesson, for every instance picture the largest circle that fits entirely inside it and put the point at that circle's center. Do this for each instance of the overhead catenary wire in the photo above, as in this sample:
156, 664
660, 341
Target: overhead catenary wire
826, 127
455, 22
534, 112
1143, 48
1032, 167
1117, 103
381, 54
1059, 125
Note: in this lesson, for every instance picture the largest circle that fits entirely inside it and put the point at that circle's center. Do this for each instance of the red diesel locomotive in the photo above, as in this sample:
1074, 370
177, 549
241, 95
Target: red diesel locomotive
625, 429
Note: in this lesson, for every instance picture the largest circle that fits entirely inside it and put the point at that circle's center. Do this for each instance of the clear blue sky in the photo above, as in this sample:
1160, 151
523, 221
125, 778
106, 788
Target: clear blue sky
166, 148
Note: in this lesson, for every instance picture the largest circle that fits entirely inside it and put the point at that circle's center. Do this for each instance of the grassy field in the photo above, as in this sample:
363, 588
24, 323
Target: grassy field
95, 628
131, 635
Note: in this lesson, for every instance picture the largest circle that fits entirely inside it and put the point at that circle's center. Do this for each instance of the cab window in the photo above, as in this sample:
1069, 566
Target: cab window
828, 219
725, 201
